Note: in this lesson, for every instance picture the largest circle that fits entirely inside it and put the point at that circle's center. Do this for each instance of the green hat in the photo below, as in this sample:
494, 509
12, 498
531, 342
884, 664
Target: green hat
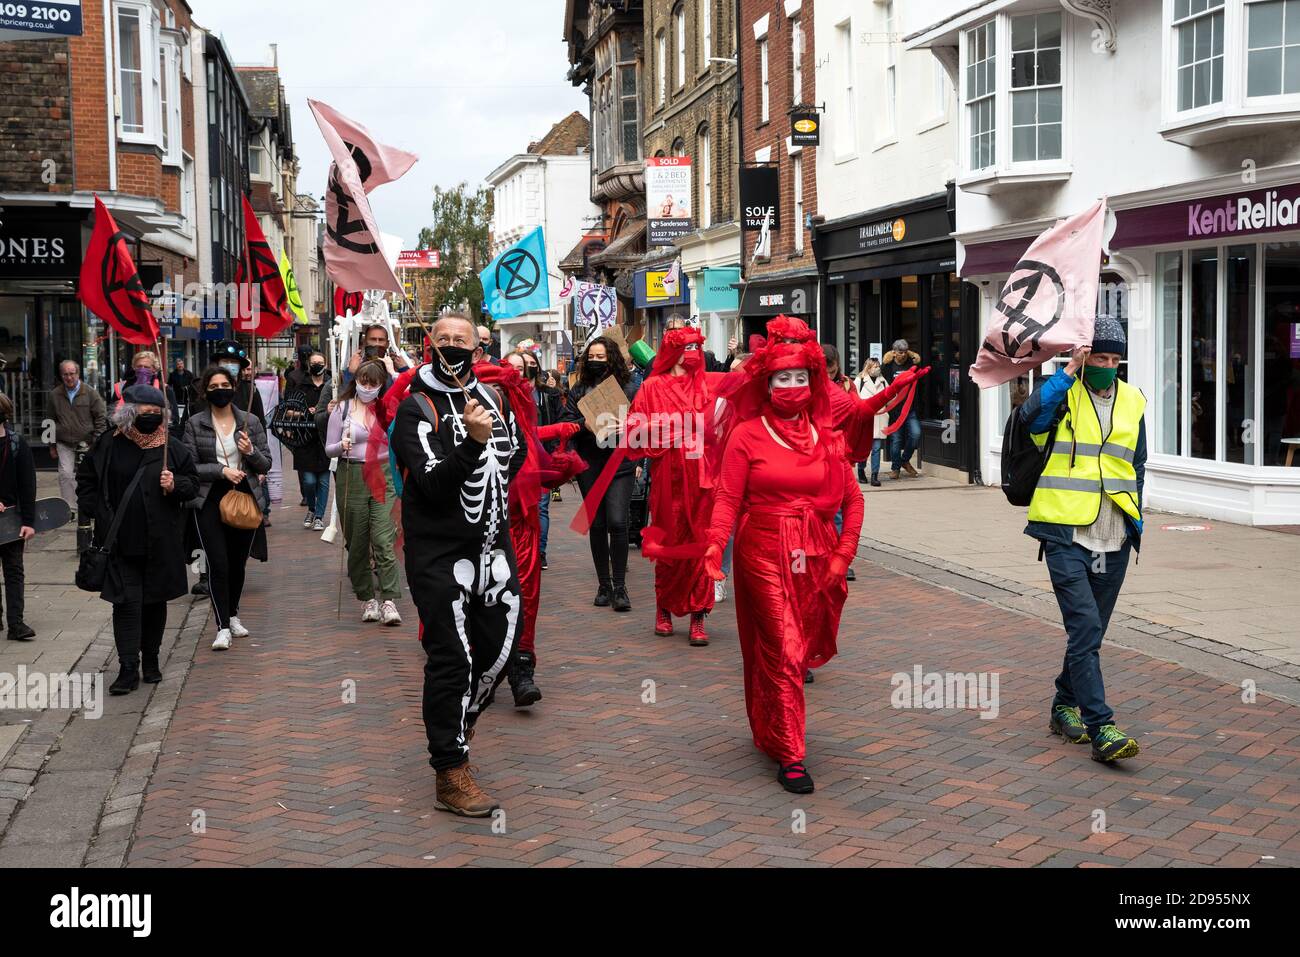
641, 353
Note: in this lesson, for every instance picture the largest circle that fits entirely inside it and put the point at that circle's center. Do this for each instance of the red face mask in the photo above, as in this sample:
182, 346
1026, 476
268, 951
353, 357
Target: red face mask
692, 360
788, 403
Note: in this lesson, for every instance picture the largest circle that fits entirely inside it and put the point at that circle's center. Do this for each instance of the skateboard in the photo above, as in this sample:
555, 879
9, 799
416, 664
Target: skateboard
51, 513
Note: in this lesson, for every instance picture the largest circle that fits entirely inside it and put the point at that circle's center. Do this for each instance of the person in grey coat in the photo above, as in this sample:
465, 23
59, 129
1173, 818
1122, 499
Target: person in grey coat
229, 449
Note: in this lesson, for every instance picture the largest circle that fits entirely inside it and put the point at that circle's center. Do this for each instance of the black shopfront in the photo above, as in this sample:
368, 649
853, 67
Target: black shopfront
763, 299
889, 274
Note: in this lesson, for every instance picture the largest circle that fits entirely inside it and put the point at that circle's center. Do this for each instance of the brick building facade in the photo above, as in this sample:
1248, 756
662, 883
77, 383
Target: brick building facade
690, 109
778, 69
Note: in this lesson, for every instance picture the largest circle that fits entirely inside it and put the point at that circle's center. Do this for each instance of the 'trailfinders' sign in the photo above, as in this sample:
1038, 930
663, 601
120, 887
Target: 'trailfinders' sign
668, 198
760, 193
805, 128
39, 243
32, 21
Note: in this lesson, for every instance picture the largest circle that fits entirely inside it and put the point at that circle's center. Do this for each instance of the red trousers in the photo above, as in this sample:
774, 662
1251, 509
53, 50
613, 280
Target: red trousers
526, 534
787, 619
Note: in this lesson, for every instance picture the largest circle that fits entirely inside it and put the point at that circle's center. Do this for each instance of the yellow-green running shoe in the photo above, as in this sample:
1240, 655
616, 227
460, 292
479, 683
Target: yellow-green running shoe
1112, 744
1068, 724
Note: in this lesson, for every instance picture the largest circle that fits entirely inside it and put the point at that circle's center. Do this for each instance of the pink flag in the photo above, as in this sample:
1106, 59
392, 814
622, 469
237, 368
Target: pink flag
1049, 303
354, 254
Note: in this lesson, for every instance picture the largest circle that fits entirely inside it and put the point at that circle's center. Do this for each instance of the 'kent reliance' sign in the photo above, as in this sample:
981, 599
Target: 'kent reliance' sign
1268, 210
31, 21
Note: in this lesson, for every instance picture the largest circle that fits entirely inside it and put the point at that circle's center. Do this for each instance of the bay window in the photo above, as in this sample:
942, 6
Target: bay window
1273, 48
1198, 35
169, 106
1013, 77
132, 73
615, 127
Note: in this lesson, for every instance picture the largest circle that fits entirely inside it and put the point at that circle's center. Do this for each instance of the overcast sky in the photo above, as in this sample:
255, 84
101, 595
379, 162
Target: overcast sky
464, 84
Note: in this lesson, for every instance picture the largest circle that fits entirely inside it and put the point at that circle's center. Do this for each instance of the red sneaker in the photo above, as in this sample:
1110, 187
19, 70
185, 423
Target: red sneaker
699, 637
663, 623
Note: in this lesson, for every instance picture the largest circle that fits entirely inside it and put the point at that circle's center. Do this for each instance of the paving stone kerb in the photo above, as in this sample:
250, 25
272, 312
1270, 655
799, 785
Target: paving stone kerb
639, 753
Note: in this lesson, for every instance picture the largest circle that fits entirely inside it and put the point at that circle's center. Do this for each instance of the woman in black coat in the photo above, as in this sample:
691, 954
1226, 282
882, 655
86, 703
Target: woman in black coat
314, 389
609, 526
147, 568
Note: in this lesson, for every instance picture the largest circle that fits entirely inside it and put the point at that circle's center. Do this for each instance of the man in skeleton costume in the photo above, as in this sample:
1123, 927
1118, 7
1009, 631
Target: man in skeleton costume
458, 456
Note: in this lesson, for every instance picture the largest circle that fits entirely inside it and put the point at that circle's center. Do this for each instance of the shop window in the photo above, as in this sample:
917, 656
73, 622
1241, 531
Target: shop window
1203, 276
1239, 435
1281, 354
1198, 38
1169, 338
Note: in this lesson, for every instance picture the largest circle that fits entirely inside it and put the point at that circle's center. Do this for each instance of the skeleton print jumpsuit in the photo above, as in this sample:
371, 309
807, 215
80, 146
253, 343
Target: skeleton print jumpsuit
459, 560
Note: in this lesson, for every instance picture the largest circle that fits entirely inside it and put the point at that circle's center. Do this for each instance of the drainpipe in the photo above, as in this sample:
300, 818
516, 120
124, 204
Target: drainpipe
740, 159
110, 70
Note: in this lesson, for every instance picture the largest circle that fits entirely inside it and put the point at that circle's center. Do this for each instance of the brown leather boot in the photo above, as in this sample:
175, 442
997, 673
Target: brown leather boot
459, 793
912, 473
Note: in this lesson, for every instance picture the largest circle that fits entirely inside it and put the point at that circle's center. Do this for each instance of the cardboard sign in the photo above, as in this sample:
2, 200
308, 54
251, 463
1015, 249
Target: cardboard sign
615, 335
604, 407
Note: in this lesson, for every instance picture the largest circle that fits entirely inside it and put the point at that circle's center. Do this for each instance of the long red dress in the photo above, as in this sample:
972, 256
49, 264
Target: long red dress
677, 409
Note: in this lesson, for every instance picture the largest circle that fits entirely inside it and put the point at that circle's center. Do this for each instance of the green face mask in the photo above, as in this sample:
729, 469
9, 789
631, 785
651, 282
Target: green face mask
1099, 379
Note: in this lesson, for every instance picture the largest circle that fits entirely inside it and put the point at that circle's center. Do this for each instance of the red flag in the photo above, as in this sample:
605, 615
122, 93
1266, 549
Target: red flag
345, 302
263, 301
110, 285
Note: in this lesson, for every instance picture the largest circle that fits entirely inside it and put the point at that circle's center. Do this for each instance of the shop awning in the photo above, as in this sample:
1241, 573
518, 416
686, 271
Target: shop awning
921, 267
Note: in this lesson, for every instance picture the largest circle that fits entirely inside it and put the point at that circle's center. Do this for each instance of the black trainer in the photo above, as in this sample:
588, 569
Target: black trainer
201, 587
850, 575
21, 632
522, 685
544, 565
808, 676
620, 599
603, 596
795, 778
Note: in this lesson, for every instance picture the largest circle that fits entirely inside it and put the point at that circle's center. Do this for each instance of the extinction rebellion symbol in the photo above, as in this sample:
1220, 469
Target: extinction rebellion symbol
518, 274
1021, 332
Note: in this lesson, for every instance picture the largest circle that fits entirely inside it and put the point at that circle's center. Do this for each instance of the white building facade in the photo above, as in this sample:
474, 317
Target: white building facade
1185, 114
551, 191
885, 163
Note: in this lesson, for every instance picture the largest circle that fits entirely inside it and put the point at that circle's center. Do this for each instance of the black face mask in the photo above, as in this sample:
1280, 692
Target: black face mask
148, 424
598, 369
317, 369
459, 359
221, 397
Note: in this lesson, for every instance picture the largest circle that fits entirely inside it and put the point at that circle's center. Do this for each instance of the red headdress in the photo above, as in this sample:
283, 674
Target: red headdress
673, 347
788, 327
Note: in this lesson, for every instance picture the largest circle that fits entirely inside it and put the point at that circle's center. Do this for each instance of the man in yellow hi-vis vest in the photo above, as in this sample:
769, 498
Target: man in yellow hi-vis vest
1087, 513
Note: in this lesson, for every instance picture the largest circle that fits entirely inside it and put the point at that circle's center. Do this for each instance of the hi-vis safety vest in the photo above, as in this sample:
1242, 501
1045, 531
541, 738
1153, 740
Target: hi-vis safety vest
1084, 463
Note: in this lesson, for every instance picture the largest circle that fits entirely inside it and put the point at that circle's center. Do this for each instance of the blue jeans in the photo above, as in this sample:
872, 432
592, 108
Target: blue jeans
876, 446
316, 489
726, 555
901, 446
544, 513
1086, 585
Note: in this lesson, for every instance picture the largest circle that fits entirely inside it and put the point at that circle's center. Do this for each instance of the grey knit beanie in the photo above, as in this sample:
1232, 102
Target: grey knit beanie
1108, 336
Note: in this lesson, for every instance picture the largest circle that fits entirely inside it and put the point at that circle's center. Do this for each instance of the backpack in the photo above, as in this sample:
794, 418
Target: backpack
1023, 461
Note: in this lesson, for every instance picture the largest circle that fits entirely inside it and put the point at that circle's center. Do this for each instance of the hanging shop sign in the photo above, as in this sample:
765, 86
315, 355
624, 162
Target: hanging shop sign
37, 242
760, 196
668, 198
419, 259
717, 290
650, 291
805, 128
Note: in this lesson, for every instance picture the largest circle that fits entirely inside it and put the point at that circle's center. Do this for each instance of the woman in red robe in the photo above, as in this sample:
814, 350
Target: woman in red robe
785, 475
668, 422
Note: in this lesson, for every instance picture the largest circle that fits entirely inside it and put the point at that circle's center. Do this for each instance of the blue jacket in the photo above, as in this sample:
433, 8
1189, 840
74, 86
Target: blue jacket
1038, 411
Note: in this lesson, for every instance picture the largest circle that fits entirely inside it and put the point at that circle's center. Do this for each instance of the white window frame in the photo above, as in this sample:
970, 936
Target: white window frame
661, 68
1036, 88
1288, 50
797, 42
1003, 164
149, 114
704, 156
764, 84
679, 21
1173, 29
706, 32
890, 113
174, 152
189, 194
796, 191
846, 137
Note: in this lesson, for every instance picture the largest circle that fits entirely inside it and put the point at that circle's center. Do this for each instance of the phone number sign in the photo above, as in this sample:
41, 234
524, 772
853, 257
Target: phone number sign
32, 21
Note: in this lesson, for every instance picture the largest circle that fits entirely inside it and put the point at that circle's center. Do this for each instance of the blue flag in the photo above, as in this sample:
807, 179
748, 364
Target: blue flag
516, 281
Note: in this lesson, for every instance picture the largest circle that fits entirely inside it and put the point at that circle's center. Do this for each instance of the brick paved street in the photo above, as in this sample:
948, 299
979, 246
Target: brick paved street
285, 773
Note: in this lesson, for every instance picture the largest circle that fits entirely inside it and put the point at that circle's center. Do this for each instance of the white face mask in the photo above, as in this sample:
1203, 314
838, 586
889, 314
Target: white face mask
366, 394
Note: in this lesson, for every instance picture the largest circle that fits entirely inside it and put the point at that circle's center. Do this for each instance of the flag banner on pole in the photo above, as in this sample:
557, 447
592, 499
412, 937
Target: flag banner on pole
294, 295
348, 303
673, 278
263, 298
568, 288
110, 285
354, 253
1049, 303
593, 304
515, 282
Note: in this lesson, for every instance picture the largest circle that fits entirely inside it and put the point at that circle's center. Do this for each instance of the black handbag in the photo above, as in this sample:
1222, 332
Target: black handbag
92, 569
